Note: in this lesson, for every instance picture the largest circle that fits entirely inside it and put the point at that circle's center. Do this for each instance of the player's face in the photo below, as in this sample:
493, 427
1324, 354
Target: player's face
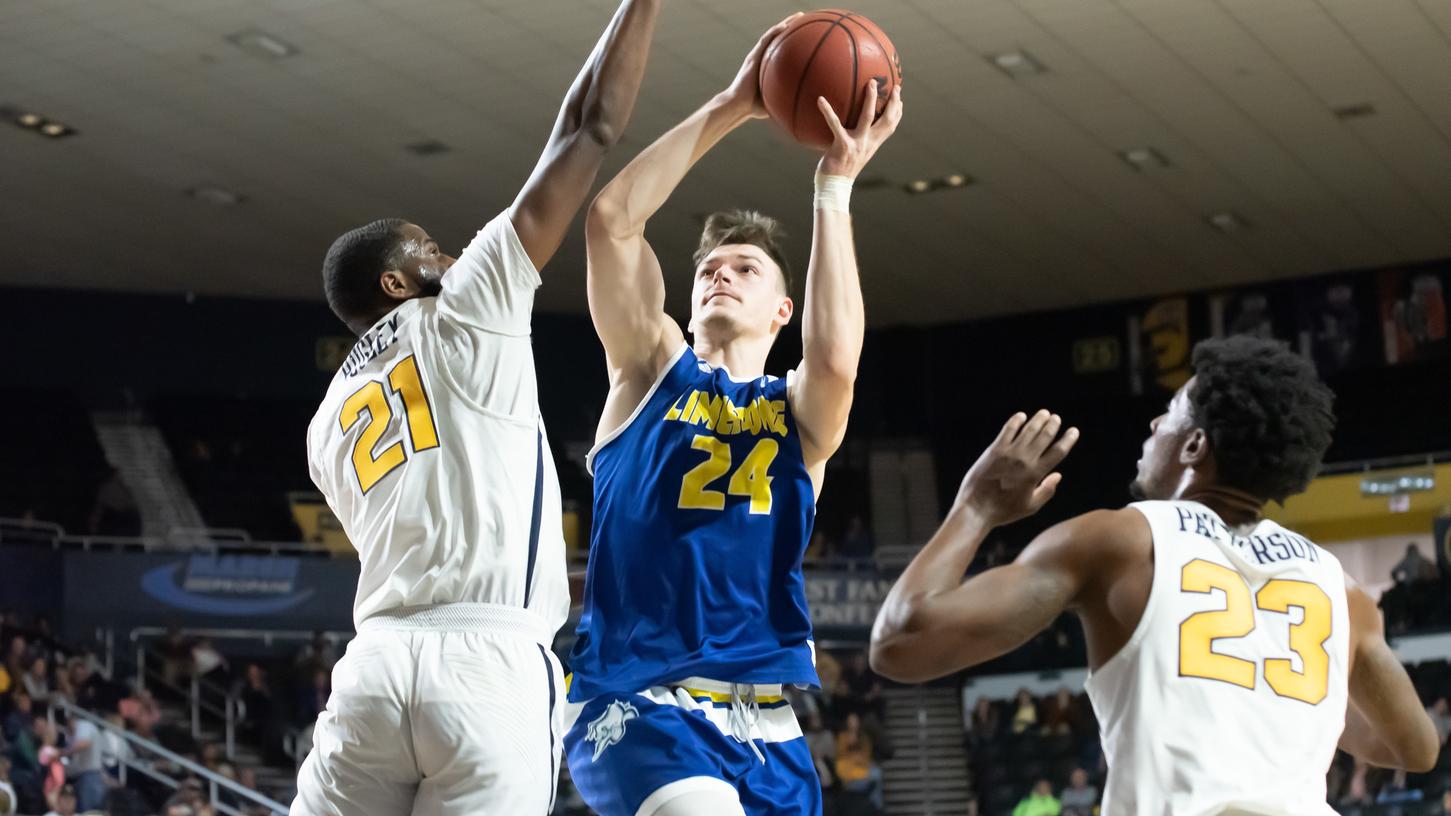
1161, 468
738, 291
422, 263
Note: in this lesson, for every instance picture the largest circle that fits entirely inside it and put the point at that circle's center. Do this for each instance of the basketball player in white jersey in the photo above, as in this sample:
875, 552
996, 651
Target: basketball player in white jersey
431, 452
1228, 656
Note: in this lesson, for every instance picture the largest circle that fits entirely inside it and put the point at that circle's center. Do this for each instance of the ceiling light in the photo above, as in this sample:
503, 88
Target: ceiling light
1144, 158
1360, 110
955, 180
259, 43
30, 120
432, 147
56, 130
214, 195
1227, 221
1017, 63
918, 186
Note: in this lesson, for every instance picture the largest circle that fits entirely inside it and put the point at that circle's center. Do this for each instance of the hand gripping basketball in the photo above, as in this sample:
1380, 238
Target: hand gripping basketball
851, 149
744, 92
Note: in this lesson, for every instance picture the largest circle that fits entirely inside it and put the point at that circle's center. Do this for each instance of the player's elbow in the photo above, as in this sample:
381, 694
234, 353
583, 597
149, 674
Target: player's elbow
894, 663
600, 128
1421, 757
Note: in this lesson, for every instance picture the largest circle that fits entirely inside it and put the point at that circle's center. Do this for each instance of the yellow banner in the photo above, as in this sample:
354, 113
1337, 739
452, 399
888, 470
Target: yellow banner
1336, 509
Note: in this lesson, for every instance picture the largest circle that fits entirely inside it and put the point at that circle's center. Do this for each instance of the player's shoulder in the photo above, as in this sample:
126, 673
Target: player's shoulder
1096, 539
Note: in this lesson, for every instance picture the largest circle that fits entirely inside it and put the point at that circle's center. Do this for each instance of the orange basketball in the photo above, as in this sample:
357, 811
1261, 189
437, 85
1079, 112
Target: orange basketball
828, 53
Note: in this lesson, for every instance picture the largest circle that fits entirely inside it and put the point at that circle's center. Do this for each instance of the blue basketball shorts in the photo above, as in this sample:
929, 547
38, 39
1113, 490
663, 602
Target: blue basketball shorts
631, 753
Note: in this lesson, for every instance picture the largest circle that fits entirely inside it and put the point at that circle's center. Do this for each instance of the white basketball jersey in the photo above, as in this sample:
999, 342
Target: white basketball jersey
1230, 696
430, 449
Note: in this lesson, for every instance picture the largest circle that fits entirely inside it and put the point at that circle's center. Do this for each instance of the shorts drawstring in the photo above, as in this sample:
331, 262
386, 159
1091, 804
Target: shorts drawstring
745, 714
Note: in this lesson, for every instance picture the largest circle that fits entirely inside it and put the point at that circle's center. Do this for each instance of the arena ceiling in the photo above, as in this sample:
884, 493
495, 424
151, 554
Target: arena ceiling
1323, 126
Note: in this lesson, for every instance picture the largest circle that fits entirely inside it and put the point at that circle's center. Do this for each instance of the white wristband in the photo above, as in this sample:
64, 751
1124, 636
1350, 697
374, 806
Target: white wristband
833, 193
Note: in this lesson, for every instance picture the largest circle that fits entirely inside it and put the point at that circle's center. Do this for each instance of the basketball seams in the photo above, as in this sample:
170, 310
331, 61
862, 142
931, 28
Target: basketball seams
886, 52
806, 68
853, 107
777, 46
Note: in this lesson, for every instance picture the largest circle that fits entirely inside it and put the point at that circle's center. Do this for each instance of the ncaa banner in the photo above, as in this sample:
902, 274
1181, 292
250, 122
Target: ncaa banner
125, 590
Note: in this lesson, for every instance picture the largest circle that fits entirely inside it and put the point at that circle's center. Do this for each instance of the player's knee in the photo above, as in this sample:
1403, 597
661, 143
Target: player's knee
714, 801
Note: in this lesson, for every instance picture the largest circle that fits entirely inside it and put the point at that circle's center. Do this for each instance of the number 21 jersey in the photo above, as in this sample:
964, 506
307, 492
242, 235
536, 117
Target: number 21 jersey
430, 449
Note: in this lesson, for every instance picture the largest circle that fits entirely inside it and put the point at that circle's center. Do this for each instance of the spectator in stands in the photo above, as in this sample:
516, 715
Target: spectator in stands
48, 755
175, 652
20, 717
821, 548
35, 680
8, 801
1357, 793
65, 803
823, 749
1398, 792
1445, 807
319, 654
115, 512
985, 723
855, 768
1440, 713
15, 664
115, 750
863, 688
141, 712
1079, 798
214, 759
1039, 801
1025, 712
206, 659
1060, 714
314, 696
1414, 568
86, 771
856, 543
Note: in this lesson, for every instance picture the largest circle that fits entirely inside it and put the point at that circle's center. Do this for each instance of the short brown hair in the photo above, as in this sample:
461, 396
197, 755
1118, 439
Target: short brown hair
745, 227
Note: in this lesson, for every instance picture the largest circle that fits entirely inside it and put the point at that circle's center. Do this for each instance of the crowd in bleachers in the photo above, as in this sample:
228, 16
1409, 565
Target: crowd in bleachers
52, 763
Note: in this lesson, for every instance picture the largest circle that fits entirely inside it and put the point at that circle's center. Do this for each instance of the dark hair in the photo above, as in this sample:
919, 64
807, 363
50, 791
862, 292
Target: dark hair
352, 267
1268, 416
745, 227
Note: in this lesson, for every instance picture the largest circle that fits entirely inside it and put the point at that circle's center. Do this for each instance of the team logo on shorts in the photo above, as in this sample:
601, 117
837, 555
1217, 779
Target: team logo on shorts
609, 727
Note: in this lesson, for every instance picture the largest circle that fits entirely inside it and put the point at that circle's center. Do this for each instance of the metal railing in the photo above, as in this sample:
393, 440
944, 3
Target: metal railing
215, 783
204, 697
188, 539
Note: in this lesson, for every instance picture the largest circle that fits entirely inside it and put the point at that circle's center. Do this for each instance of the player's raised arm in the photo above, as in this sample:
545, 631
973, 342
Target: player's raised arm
593, 117
932, 622
832, 321
626, 285
1384, 723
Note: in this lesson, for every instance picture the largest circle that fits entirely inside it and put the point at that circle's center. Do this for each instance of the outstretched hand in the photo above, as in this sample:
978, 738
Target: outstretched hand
744, 92
851, 149
1015, 476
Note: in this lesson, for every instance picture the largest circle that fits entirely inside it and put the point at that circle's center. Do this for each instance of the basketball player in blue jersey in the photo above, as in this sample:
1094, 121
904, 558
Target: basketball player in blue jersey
706, 476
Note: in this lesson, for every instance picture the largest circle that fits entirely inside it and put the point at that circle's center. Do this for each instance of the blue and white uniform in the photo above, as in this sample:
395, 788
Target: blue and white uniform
695, 608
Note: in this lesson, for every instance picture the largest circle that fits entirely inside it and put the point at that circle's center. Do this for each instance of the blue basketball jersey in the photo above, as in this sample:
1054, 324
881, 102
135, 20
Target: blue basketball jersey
702, 511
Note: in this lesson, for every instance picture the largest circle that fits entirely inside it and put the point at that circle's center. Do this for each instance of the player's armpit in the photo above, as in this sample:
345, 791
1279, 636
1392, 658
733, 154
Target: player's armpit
1385, 723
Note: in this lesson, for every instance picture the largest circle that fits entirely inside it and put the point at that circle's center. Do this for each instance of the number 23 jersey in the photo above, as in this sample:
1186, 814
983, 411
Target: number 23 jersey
1230, 696
430, 450
703, 507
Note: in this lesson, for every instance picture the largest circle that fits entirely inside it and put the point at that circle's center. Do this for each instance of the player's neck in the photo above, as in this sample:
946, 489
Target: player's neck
743, 357
1235, 507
